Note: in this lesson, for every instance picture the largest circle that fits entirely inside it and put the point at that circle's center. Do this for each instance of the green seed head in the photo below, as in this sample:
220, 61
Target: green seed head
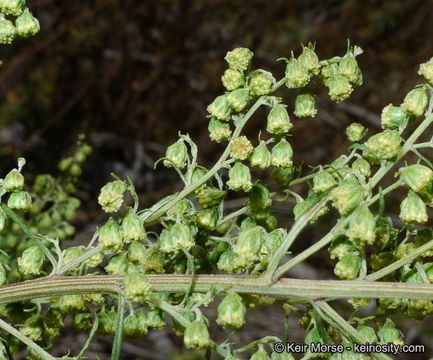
309, 60
339, 88
367, 332
261, 82
238, 99
210, 197
361, 167
118, 265
413, 210
259, 198
233, 79
219, 130
385, 146
282, 154
341, 246
136, 252
393, 117
94, 260
111, 196
7, 31
239, 59
239, 178
26, 24
196, 335
20, 200
297, 75
226, 261
349, 68
362, 226
82, 321
355, 132
153, 261
305, 106
31, 261
416, 177
322, 181
278, 121
72, 253
110, 237
249, 243
176, 154
137, 288
231, 311
14, 181
415, 102
240, 148
390, 333
347, 196
132, 227
207, 219
426, 70
12, 7
348, 267
283, 175
72, 303
261, 157
220, 108
181, 236
33, 328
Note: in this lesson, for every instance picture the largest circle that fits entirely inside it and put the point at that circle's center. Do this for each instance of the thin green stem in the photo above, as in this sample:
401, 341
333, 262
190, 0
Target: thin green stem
88, 254
117, 340
265, 340
233, 215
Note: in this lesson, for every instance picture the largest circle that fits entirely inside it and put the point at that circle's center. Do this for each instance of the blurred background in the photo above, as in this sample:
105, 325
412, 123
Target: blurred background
131, 74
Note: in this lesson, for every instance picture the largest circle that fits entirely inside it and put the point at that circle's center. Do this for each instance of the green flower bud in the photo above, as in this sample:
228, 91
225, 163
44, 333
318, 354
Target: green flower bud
155, 319
31, 261
278, 120
282, 154
110, 237
95, 299
176, 155
239, 177
426, 70
33, 328
233, 79
106, 323
111, 196
72, 303
231, 311
220, 108
94, 260
136, 252
362, 226
349, 68
207, 219
361, 167
260, 354
72, 253
130, 326
248, 223
7, 31
355, 132
219, 130
238, 99
347, 196
261, 82
117, 265
153, 261
226, 262
210, 197
415, 102
413, 210
348, 267
340, 247
305, 106
389, 333
132, 227
403, 250
303, 206
423, 236
20, 200
259, 198
385, 145
283, 175
182, 207
417, 177
137, 288
322, 181
12, 7
339, 88
275, 239
14, 181
26, 24
309, 60
239, 58
297, 75
182, 236
240, 148
393, 117
261, 157
249, 243
326, 72
367, 332
196, 335
82, 321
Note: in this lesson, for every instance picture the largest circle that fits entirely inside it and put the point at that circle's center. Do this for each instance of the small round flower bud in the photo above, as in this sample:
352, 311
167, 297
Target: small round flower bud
426, 70
72, 303
249, 243
31, 261
326, 72
339, 88
210, 197
94, 260
82, 321
233, 79
239, 177
362, 167
362, 226
261, 157
282, 154
110, 237
12, 7
107, 322
240, 148
415, 102
136, 252
137, 288
14, 181
226, 261
349, 68
130, 326
7, 31
283, 175
20, 200
322, 181
275, 239
341, 246
385, 145
182, 236
72, 253
305, 106
153, 261
207, 219
176, 155
238, 99
347, 196
111, 196
248, 223
231, 311
26, 24
309, 60
239, 58
196, 335
355, 132
348, 267
367, 332
260, 354
278, 121
132, 227
297, 75
33, 328
413, 210
219, 130
118, 265
403, 250
220, 108
389, 333
261, 82
393, 117
417, 177
423, 236
259, 198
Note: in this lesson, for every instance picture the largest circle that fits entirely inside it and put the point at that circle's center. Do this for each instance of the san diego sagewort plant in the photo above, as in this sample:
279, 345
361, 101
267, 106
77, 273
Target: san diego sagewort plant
127, 280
